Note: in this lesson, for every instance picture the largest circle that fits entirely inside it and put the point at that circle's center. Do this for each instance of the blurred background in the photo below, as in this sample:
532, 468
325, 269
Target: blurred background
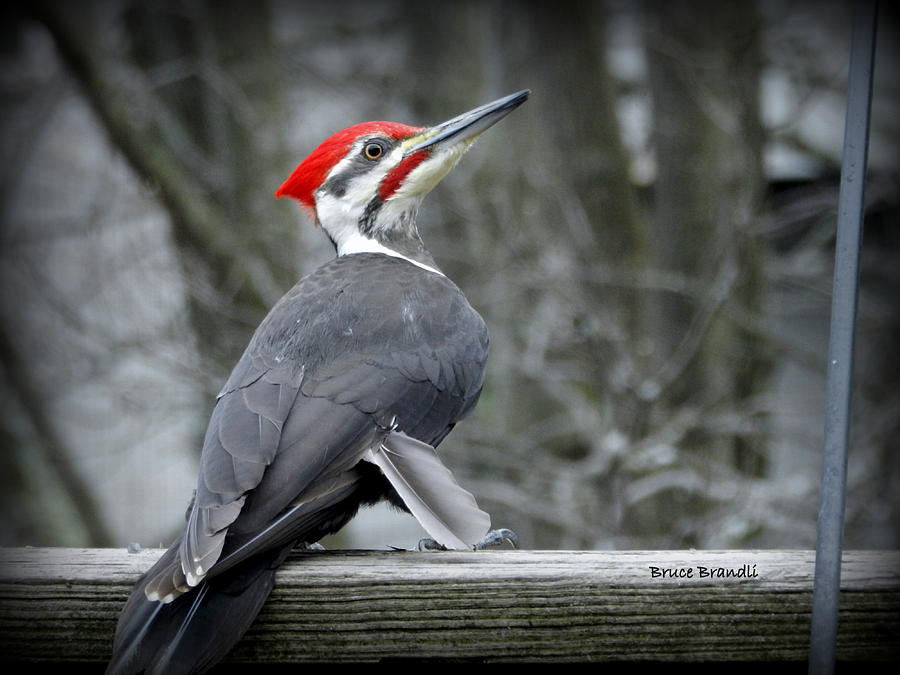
650, 240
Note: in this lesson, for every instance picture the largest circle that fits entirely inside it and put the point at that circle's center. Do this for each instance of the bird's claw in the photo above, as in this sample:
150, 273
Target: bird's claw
496, 538
491, 539
429, 544
306, 546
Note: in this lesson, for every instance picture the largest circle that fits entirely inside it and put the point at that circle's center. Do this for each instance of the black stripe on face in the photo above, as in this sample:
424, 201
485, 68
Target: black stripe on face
338, 184
369, 216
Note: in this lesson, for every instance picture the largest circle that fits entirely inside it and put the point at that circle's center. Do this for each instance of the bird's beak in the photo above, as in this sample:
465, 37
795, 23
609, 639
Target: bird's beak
465, 127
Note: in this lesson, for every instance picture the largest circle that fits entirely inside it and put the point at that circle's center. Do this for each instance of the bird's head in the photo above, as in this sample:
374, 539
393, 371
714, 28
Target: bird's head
364, 184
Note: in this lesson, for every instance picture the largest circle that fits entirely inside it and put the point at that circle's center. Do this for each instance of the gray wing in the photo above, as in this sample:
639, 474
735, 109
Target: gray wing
325, 378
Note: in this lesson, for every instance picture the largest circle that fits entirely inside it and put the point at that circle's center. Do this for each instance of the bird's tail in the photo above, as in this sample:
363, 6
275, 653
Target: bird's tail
196, 630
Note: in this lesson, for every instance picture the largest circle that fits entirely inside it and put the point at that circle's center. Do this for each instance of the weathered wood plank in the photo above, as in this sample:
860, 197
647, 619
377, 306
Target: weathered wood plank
61, 605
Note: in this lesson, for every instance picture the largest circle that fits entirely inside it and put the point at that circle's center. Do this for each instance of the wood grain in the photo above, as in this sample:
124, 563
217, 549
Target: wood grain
61, 605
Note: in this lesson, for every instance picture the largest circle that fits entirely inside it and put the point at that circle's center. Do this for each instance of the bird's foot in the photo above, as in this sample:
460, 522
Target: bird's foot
496, 538
428, 544
491, 539
306, 546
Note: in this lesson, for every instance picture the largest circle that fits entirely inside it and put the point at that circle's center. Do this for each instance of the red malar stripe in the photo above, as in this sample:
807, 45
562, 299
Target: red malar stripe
398, 174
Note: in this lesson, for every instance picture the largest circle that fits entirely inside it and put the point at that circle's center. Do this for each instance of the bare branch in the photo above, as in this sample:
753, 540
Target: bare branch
34, 405
150, 138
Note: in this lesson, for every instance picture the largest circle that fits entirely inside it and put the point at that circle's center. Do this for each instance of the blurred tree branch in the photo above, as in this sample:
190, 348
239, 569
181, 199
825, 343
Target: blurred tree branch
704, 72
139, 124
55, 456
214, 209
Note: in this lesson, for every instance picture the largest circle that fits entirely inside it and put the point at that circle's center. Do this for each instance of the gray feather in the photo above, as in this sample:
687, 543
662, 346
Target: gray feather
432, 368
446, 511
167, 584
409, 365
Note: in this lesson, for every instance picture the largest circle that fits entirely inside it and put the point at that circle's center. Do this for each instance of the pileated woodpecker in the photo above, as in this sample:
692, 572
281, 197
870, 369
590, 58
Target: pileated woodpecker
339, 400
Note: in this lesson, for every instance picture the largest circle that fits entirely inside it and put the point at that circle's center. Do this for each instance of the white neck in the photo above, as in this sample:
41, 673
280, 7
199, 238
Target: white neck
359, 243
341, 215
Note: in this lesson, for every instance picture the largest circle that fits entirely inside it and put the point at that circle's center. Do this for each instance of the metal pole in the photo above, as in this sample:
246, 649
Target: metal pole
851, 203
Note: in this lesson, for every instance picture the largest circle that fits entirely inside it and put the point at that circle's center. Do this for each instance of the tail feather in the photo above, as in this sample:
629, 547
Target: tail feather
197, 629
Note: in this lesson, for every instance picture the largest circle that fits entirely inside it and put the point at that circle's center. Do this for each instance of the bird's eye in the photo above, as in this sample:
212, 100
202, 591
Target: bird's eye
373, 150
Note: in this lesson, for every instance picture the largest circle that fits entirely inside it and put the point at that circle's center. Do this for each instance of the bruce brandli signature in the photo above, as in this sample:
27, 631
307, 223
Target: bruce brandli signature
701, 572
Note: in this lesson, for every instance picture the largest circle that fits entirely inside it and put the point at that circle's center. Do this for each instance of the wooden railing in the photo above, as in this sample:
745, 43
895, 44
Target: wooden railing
60, 605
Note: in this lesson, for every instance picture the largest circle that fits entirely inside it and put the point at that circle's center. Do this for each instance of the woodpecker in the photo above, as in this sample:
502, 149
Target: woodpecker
339, 400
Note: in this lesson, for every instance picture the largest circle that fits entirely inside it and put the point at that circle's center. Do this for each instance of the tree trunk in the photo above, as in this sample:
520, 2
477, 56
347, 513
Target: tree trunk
704, 68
